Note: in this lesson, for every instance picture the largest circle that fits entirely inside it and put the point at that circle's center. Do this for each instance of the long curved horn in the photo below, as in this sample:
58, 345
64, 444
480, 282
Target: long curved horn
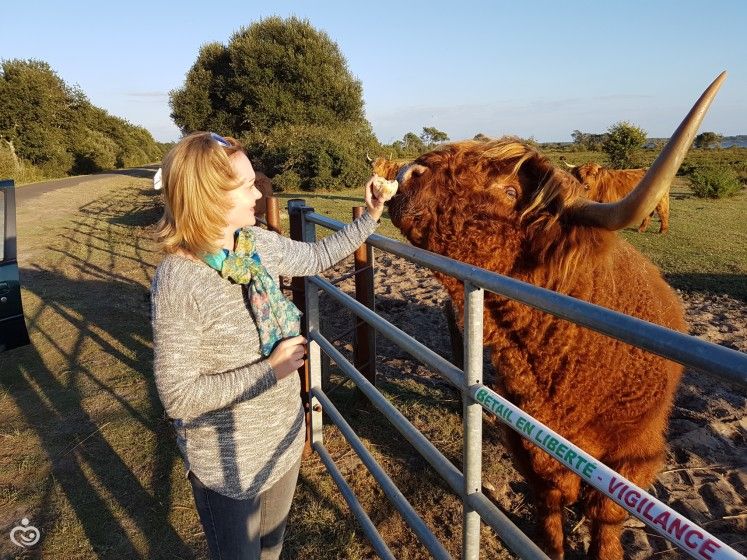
569, 165
643, 199
368, 159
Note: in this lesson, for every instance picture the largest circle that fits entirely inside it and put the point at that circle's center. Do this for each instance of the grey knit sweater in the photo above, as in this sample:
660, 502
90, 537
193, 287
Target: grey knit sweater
238, 429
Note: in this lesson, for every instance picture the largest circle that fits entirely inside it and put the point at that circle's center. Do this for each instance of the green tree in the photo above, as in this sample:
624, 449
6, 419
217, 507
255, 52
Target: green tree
588, 140
432, 136
313, 157
37, 111
279, 86
413, 145
54, 127
623, 139
274, 72
708, 140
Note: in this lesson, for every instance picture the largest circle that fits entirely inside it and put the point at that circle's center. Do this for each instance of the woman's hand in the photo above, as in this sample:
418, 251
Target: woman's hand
374, 206
287, 356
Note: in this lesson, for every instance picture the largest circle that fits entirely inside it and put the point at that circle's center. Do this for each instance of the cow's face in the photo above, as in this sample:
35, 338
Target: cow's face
588, 175
492, 184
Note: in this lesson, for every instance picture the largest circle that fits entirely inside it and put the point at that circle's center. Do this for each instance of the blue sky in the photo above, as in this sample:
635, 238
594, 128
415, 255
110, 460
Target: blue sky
538, 68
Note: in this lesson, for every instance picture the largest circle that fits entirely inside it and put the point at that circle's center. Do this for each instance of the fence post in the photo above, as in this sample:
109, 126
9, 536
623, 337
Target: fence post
314, 353
273, 215
364, 349
296, 209
472, 423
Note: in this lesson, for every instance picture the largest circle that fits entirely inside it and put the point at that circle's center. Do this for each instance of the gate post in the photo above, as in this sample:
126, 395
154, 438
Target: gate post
472, 423
314, 354
364, 349
296, 210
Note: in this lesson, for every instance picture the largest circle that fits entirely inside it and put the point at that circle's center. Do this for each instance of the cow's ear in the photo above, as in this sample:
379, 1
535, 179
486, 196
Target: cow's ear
414, 170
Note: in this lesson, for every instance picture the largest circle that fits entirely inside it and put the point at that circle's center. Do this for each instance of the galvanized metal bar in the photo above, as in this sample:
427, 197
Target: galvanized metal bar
676, 528
472, 418
297, 211
509, 533
430, 453
718, 361
399, 337
369, 529
390, 489
313, 354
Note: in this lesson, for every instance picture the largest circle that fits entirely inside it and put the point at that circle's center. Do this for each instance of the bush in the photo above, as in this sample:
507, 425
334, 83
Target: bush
715, 181
286, 181
94, 152
13, 167
622, 140
313, 157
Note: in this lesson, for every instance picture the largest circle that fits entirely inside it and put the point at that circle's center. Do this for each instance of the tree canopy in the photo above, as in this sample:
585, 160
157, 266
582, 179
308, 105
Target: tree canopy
54, 127
273, 72
284, 90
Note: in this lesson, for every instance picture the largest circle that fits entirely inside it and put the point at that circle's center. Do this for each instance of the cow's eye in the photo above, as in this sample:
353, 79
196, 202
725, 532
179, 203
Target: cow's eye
511, 191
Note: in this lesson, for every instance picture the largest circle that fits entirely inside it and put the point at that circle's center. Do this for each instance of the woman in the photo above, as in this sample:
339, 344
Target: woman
226, 341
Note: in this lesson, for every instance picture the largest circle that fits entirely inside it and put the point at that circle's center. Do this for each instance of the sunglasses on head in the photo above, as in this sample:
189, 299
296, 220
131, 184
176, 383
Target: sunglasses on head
222, 141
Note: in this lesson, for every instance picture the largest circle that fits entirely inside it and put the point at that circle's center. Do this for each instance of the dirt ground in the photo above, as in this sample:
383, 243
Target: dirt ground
705, 476
87, 456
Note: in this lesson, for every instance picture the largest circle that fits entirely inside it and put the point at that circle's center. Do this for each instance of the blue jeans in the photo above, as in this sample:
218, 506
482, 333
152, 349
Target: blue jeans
245, 529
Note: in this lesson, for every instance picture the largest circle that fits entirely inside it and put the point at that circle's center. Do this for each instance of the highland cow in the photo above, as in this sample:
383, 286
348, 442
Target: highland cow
608, 185
501, 205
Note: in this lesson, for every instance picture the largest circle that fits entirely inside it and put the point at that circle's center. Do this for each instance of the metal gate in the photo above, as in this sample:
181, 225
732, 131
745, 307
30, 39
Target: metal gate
715, 360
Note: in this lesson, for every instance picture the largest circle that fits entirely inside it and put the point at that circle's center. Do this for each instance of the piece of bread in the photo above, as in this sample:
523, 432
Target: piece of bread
383, 189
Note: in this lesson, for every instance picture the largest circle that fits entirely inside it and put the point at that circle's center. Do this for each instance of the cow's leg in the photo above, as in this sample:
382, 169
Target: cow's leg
606, 516
663, 210
644, 224
455, 335
554, 487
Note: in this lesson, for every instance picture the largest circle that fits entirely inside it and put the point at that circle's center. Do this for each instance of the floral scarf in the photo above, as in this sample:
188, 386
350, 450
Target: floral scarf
274, 314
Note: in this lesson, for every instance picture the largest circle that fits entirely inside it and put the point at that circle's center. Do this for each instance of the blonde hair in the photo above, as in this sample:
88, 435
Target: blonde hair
197, 173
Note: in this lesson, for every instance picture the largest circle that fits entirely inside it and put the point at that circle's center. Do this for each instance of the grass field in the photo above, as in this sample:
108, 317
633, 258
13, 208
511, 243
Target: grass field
705, 250
85, 453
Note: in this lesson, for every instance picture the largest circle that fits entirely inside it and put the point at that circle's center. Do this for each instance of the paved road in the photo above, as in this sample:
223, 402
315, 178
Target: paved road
28, 192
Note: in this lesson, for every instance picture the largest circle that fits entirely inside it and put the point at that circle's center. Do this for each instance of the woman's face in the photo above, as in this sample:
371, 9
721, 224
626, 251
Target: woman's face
245, 196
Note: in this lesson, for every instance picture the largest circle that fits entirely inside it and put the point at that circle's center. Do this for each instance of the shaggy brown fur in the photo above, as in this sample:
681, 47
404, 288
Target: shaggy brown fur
609, 185
263, 183
502, 206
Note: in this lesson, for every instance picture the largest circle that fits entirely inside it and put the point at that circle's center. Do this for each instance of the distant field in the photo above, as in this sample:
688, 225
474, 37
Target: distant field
705, 249
733, 157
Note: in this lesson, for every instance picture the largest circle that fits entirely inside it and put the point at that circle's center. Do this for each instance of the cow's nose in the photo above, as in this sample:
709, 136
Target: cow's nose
401, 173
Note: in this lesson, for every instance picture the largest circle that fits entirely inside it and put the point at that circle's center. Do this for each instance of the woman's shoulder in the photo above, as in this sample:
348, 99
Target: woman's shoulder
179, 274
269, 243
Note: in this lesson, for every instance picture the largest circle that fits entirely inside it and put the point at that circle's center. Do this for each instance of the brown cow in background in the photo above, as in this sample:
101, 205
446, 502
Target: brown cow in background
503, 206
608, 185
264, 185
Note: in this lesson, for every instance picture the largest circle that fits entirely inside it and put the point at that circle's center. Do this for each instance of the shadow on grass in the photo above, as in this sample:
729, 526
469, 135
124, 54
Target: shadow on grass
95, 296
733, 285
142, 172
